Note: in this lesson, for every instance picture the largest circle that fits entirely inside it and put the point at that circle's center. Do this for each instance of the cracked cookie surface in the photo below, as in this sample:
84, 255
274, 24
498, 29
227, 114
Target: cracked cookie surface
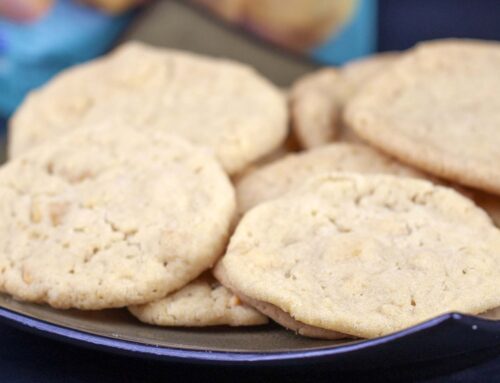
203, 302
437, 108
110, 216
221, 104
367, 255
278, 315
290, 172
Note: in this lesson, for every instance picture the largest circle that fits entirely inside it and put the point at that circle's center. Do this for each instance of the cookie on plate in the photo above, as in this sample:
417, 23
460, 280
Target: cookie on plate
356, 73
317, 100
278, 315
437, 108
221, 104
315, 108
290, 172
288, 147
490, 203
367, 255
492, 314
203, 302
109, 217
287, 321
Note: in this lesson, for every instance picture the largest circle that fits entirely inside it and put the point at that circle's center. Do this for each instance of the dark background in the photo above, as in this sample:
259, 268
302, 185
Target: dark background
29, 358
402, 23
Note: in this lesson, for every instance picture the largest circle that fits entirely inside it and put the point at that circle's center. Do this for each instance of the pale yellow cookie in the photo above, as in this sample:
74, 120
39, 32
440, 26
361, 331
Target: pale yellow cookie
438, 109
203, 302
278, 315
355, 75
289, 173
221, 104
367, 255
317, 100
315, 108
287, 321
288, 147
109, 217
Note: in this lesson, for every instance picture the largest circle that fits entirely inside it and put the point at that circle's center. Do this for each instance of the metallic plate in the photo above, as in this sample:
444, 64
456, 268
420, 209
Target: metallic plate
117, 331
175, 25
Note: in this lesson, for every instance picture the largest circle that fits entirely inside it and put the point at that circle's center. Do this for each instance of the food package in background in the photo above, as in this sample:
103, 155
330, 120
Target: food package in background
328, 31
33, 50
115, 6
24, 10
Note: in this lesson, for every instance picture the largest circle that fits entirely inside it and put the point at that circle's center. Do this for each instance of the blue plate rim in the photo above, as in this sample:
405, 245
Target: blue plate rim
105, 343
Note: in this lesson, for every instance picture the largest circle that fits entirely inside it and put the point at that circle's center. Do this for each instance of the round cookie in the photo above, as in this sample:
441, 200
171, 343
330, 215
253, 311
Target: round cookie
367, 255
287, 321
438, 109
317, 100
356, 73
314, 107
493, 314
289, 146
203, 302
289, 173
109, 217
278, 315
221, 104
490, 203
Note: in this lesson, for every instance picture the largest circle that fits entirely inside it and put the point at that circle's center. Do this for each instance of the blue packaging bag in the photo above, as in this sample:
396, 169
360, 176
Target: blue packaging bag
356, 38
30, 54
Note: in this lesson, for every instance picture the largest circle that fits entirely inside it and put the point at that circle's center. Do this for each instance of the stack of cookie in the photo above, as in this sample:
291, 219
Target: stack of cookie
133, 178
117, 193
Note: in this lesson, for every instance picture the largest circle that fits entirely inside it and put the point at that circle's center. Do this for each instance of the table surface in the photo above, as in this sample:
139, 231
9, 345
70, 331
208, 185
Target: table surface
25, 357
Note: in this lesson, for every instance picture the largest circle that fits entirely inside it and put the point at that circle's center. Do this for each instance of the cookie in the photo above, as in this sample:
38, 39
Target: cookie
317, 100
109, 217
290, 172
221, 104
203, 302
315, 108
437, 108
490, 203
288, 147
278, 315
355, 75
493, 314
367, 255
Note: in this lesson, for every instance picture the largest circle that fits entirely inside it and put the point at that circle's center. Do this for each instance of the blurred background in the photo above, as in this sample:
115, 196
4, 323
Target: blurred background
282, 39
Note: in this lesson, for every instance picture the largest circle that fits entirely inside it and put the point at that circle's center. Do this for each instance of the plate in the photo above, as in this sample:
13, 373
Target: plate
117, 331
